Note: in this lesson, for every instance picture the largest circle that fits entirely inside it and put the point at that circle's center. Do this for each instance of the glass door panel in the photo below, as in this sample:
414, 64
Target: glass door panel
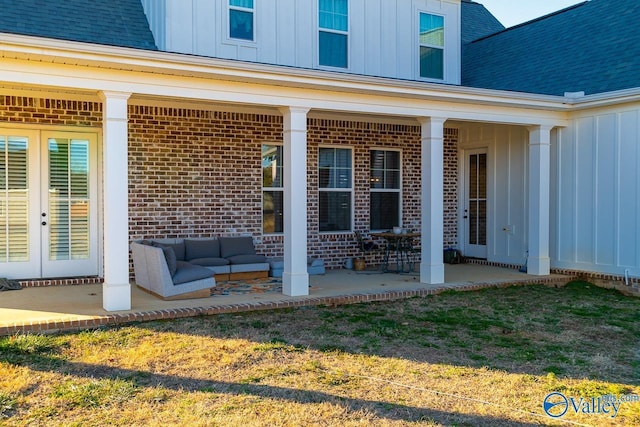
71, 232
19, 246
476, 204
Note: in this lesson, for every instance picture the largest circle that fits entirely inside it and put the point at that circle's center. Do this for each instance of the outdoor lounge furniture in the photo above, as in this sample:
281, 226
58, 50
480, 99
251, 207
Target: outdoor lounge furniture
314, 266
158, 272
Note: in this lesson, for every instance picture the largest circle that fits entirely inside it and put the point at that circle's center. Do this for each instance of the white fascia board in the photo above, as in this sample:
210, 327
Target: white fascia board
81, 66
261, 94
76, 53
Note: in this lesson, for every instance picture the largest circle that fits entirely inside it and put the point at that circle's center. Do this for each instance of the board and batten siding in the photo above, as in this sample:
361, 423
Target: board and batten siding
383, 34
595, 193
507, 166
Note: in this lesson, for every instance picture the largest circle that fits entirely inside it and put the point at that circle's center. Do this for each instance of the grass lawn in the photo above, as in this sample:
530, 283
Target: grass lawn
485, 358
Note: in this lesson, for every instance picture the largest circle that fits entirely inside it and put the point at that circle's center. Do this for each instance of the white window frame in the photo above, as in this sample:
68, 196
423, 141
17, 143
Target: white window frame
272, 189
252, 10
329, 30
337, 190
386, 190
442, 48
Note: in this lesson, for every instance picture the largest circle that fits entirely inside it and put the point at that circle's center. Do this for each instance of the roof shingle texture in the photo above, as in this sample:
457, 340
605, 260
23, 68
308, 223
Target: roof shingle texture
592, 47
107, 22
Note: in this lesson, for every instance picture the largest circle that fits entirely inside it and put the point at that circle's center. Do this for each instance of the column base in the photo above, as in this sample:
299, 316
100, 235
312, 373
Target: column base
116, 297
538, 266
431, 274
295, 284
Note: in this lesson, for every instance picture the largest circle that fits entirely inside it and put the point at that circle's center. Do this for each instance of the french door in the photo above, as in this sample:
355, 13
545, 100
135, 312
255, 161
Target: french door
48, 204
475, 214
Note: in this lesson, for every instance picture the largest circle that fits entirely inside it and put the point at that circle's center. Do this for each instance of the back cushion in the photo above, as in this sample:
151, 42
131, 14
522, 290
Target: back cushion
178, 248
207, 248
232, 246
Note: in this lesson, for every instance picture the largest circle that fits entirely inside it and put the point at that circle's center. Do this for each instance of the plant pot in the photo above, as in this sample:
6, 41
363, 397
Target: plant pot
358, 264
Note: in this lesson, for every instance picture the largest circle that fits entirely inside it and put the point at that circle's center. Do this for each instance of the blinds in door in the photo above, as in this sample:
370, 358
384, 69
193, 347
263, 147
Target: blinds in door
14, 199
68, 199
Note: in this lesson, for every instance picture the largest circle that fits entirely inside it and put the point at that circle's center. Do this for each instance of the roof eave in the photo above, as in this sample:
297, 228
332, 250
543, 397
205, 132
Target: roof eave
129, 59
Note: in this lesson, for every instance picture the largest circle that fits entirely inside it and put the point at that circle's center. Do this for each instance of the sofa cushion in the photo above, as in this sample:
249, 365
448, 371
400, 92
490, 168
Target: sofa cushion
179, 250
209, 262
188, 273
232, 246
247, 259
170, 257
206, 248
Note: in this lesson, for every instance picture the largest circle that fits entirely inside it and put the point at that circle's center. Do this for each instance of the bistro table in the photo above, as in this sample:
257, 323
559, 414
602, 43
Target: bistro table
402, 245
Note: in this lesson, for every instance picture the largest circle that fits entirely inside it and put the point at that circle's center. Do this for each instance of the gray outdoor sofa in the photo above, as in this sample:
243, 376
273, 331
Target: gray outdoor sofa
173, 267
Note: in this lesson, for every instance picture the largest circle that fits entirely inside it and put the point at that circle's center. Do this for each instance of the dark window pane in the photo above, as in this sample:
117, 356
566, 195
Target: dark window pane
377, 179
272, 212
377, 159
335, 211
384, 210
392, 180
431, 63
333, 49
393, 160
240, 25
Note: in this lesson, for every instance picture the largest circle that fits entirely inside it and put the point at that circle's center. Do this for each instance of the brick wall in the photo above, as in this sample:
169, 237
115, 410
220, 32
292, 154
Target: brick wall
18, 109
197, 173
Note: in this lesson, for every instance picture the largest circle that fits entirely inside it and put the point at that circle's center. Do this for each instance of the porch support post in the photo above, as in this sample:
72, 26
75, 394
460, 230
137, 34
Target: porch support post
432, 204
116, 290
538, 261
295, 279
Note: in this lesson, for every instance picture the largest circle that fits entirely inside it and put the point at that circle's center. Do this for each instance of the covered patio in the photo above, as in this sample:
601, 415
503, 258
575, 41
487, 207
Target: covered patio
65, 308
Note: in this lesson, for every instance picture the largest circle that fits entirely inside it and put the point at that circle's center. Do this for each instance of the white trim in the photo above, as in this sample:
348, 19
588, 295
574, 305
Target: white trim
442, 48
227, 25
399, 190
338, 190
274, 189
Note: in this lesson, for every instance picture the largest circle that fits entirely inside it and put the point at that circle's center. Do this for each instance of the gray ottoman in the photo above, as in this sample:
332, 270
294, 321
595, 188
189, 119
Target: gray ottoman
314, 266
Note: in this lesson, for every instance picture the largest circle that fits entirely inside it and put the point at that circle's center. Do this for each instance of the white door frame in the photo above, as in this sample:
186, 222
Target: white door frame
476, 251
69, 268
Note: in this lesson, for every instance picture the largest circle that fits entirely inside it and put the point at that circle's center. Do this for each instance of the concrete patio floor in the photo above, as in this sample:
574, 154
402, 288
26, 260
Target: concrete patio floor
59, 308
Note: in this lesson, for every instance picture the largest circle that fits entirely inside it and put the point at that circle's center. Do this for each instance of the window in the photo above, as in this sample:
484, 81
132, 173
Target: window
431, 46
333, 36
384, 208
241, 19
335, 189
272, 190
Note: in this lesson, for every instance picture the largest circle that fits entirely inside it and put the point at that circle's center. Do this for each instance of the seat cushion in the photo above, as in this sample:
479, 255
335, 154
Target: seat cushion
188, 273
205, 248
247, 259
232, 246
209, 262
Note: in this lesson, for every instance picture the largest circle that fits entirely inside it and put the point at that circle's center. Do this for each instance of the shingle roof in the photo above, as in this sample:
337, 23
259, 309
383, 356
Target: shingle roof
477, 21
108, 22
590, 47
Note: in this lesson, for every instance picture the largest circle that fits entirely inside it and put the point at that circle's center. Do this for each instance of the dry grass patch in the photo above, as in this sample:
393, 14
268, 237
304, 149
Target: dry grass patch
481, 358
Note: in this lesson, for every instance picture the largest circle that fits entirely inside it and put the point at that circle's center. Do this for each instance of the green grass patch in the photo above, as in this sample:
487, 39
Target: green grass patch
94, 393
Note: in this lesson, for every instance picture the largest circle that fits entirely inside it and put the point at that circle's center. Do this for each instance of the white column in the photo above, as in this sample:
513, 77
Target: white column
116, 290
295, 279
538, 261
432, 205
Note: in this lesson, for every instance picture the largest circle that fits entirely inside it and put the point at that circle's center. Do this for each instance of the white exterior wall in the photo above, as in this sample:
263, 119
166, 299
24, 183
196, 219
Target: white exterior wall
507, 188
383, 34
595, 184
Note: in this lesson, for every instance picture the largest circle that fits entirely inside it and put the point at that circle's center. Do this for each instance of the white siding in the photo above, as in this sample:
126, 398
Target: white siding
596, 193
507, 151
383, 34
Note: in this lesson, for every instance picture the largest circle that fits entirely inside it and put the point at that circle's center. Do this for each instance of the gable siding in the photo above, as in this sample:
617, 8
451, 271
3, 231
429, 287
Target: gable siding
383, 34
